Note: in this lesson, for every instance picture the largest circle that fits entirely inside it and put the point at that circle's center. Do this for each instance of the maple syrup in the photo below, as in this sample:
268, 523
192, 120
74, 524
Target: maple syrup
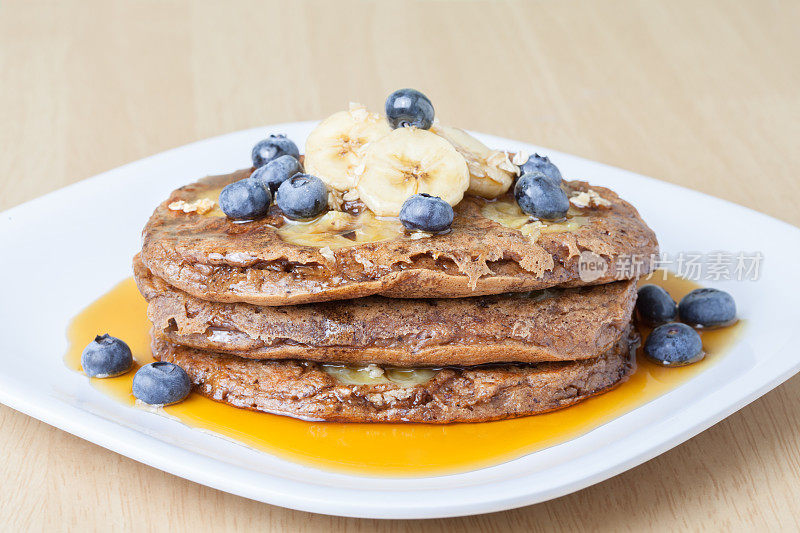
508, 214
334, 229
385, 449
338, 229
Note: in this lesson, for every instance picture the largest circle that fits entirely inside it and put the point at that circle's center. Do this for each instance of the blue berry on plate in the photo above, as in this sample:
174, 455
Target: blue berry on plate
674, 344
161, 383
273, 147
426, 213
409, 107
106, 356
271, 175
541, 163
539, 196
655, 306
302, 196
245, 199
707, 307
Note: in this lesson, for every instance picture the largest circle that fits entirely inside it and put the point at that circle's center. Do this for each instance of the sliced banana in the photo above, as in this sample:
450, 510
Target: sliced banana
335, 149
491, 172
410, 161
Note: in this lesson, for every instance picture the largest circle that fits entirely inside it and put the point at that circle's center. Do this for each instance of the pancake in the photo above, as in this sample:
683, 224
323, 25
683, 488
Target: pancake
304, 389
491, 249
546, 325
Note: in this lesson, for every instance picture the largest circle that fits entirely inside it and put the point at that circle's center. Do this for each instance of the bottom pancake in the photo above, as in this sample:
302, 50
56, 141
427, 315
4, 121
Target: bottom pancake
314, 391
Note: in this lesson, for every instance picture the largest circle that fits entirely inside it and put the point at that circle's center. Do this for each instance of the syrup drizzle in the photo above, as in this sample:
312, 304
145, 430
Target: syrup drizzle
384, 449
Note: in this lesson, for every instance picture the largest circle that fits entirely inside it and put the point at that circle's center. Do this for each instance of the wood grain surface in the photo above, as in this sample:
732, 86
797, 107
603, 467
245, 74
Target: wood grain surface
704, 94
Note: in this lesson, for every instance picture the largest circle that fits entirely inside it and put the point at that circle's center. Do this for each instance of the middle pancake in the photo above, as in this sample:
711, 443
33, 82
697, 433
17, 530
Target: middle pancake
546, 325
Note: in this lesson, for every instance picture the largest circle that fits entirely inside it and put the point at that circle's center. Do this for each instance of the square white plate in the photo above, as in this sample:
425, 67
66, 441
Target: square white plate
64, 250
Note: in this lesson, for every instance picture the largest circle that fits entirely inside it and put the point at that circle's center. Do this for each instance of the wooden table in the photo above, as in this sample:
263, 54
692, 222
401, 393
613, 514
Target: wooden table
704, 94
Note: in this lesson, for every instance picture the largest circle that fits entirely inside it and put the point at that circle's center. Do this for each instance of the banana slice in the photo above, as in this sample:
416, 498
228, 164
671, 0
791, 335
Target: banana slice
410, 161
491, 172
335, 149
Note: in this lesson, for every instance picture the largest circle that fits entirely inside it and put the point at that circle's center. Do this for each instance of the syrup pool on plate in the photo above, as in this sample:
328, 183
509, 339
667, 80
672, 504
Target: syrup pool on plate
385, 449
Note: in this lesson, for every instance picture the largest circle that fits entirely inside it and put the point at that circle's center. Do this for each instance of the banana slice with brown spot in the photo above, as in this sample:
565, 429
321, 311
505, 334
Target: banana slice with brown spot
410, 161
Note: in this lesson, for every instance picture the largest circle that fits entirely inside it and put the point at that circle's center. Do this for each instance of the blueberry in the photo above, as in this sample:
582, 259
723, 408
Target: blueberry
302, 196
655, 306
541, 163
161, 383
106, 356
427, 213
707, 307
409, 107
271, 175
674, 344
245, 199
539, 196
273, 147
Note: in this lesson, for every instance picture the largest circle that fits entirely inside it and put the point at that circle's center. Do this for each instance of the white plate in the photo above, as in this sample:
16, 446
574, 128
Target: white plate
62, 251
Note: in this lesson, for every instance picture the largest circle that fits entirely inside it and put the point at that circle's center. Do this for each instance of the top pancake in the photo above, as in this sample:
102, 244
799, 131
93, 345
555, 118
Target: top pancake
214, 258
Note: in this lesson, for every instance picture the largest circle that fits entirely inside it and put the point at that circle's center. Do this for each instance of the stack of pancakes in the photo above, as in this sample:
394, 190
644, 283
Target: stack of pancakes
363, 322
